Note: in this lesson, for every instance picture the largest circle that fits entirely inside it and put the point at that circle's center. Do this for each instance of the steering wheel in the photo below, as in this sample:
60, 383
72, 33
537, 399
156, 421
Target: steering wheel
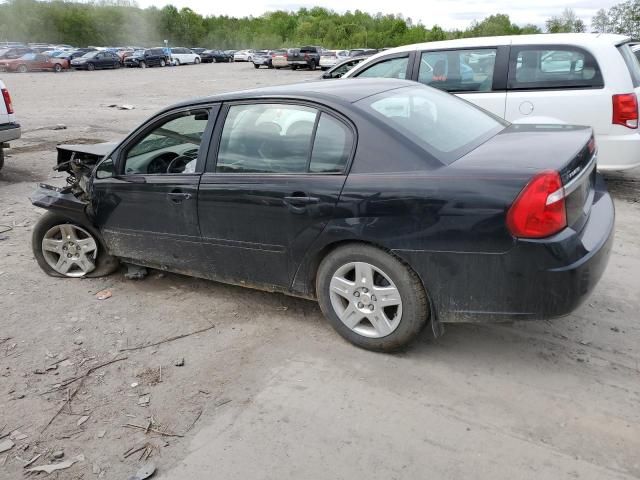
178, 164
159, 163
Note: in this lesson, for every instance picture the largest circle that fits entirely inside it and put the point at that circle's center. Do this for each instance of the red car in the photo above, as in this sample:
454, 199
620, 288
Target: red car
34, 61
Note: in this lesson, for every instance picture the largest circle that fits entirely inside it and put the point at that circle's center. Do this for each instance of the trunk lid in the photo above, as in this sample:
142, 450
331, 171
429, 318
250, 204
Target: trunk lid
530, 149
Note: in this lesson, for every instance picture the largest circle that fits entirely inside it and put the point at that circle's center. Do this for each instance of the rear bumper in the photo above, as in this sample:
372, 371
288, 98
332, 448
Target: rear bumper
9, 131
619, 152
535, 279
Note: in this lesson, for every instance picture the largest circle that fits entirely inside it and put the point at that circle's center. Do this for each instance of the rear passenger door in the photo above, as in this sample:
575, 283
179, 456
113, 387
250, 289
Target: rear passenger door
270, 189
477, 75
556, 84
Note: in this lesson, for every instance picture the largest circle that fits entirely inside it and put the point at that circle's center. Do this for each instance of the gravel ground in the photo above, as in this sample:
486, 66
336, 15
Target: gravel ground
270, 391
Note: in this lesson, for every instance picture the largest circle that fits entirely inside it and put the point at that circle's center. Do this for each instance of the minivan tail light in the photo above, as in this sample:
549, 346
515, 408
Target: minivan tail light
7, 101
539, 211
625, 110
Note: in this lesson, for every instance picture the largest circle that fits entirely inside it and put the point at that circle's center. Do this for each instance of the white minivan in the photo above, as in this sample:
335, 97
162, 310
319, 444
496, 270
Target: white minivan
572, 78
183, 56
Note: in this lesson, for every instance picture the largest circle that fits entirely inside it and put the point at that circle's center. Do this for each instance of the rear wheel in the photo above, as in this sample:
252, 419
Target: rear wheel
371, 298
214, 60
91, 67
116, 65
294, 67
255, 65
163, 63
143, 64
22, 69
57, 68
196, 61
66, 248
312, 65
177, 62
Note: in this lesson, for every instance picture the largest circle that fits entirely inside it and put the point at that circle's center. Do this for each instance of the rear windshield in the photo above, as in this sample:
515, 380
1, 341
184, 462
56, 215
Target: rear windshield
630, 54
445, 126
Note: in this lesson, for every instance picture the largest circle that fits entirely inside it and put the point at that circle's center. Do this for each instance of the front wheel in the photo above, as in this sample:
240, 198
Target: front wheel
143, 64
255, 65
22, 69
196, 61
91, 67
312, 65
66, 248
163, 63
371, 298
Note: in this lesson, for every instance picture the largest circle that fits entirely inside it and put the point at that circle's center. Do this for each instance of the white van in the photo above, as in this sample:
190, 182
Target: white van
9, 127
573, 78
183, 56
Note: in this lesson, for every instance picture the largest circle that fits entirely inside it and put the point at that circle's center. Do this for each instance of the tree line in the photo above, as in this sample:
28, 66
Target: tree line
121, 23
623, 18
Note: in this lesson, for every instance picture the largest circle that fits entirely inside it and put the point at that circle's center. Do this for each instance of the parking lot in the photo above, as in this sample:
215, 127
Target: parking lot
271, 391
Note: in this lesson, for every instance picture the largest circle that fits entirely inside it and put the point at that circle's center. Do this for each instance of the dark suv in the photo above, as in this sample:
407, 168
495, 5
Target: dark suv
151, 57
305, 57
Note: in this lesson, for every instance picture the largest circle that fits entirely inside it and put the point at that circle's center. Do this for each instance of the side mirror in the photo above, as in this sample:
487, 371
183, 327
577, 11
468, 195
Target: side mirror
104, 169
326, 75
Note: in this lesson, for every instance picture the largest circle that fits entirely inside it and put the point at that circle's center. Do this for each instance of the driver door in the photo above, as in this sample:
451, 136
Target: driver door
146, 210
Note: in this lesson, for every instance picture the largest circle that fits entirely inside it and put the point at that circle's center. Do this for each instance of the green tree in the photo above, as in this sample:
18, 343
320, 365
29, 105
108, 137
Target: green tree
600, 22
566, 23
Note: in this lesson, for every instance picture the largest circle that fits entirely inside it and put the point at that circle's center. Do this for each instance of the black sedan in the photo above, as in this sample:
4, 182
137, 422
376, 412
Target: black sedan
393, 204
215, 56
96, 60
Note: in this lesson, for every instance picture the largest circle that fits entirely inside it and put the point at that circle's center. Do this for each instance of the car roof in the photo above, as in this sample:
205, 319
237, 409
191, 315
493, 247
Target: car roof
343, 91
580, 39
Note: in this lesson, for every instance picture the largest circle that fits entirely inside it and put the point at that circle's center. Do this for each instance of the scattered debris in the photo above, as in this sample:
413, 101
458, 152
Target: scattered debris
150, 376
179, 362
56, 466
195, 420
135, 272
95, 468
144, 400
148, 429
103, 294
59, 126
17, 436
6, 445
611, 310
101, 433
615, 329
222, 402
82, 419
78, 341
282, 309
145, 472
121, 107
171, 339
57, 455
134, 384
30, 462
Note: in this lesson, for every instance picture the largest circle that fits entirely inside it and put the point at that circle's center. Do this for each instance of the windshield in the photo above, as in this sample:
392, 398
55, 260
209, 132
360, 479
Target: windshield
28, 56
138, 53
445, 126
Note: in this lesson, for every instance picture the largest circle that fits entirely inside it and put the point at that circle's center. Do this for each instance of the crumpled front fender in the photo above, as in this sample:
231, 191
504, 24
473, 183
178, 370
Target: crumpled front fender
62, 201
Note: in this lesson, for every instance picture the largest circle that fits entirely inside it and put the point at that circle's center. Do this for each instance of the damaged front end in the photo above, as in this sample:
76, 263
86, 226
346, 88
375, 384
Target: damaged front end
72, 200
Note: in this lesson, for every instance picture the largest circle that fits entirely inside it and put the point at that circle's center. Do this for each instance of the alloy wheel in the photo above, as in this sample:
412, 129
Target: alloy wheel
365, 299
70, 250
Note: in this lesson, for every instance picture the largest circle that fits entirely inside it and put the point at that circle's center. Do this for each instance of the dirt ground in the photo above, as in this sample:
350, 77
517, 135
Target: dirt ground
269, 390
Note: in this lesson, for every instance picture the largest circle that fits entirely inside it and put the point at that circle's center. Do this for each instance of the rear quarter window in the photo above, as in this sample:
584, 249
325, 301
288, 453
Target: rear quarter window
552, 67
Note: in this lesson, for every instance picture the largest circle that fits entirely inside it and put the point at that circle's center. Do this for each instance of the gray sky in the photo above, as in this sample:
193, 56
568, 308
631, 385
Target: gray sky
446, 13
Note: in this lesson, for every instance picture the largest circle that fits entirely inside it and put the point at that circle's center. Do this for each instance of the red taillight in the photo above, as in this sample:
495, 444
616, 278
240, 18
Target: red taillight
539, 211
7, 100
625, 110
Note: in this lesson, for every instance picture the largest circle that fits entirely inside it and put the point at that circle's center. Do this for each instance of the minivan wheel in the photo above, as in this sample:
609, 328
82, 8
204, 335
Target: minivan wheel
163, 63
66, 248
371, 298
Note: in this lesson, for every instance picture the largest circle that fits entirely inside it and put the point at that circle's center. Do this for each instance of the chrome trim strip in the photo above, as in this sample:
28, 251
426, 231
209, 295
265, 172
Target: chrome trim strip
573, 185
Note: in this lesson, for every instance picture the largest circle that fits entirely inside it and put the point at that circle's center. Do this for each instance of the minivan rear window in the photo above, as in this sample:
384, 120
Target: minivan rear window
553, 67
446, 126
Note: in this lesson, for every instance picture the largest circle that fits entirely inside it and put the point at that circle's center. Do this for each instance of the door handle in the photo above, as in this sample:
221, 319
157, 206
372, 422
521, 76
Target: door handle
178, 197
301, 199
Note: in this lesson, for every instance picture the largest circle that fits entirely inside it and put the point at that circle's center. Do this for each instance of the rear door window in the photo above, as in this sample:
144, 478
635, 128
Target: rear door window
389, 68
458, 70
331, 146
545, 67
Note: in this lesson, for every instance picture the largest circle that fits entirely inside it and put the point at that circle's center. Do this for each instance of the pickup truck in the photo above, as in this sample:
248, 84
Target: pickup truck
305, 57
9, 128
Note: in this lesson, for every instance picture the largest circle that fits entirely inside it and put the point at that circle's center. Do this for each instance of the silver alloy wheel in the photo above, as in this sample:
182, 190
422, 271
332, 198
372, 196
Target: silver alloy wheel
365, 299
70, 250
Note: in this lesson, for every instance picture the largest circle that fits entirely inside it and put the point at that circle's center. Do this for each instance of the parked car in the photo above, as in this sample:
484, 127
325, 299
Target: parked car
96, 60
70, 55
243, 56
12, 53
215, 56
408, 228
279, 58
151, 57
557, 78
30, 62
343, 67
184, 56
198, 50
359, 52
305, 57
9, 126
332, 57
262, 58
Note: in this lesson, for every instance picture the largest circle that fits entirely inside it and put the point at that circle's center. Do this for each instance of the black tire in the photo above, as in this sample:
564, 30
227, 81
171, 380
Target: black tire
57, 68
163, 63
196, 61
23, 69
214, 60
1, 158
294, 67
116, 65
105, 263
143, 64
91, 67
415, 306
177, 62
312, 65
255, 65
